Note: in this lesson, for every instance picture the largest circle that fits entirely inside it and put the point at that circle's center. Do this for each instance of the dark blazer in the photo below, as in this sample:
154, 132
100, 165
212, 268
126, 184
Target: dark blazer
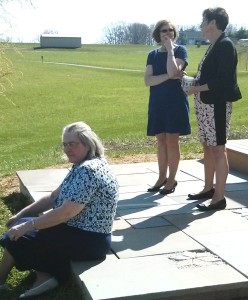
219, 73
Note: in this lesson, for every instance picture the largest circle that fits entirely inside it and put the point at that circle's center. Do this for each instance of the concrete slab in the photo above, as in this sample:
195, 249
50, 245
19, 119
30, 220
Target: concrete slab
44, 180
43, 187
237, 153
194, 168
135, 179
208, 222
148, 222
158, 277
149, 179
162, 210
35, 196
187, 187
240, 186
132, 200
183, 188
138, 168
238, 145
242, 211
236, 177
82, 266
120, 224
183, 199
237, 199
180, 176
133, 189
166, 239
42, 177
230, 246
166, 248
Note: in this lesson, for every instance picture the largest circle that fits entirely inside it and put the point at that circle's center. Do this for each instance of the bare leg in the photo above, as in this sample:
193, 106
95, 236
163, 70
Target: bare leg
209, 167
173, 154
162, 158
221, 172
6, 266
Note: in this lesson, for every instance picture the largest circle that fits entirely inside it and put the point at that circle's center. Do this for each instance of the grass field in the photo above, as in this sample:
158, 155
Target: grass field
46, 96
100, 84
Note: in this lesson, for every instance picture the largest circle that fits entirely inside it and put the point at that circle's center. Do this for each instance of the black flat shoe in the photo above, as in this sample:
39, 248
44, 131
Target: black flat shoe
207, 195
156, 188
40, 289
216, 206
166, 192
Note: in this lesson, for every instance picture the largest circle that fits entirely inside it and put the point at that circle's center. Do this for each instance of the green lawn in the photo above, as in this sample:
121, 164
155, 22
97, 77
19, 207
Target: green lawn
47, 96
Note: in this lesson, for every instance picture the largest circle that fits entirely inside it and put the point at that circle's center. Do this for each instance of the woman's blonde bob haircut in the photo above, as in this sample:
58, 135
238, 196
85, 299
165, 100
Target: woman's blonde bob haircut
87, 137
157, 28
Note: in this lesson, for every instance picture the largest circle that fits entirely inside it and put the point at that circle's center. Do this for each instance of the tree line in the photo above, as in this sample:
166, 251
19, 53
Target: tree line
121, 33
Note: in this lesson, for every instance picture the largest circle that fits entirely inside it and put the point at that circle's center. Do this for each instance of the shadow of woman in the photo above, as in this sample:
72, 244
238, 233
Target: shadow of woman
143, 226
15, 202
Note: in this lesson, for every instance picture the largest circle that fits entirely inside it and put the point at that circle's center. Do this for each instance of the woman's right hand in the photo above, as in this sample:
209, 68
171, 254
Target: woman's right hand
167, 42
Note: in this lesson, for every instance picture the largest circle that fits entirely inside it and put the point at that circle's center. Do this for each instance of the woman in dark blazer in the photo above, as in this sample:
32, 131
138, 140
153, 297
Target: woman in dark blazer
215, 90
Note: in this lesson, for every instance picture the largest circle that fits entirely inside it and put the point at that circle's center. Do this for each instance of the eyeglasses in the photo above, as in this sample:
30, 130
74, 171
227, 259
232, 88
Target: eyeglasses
69, 145
167, 30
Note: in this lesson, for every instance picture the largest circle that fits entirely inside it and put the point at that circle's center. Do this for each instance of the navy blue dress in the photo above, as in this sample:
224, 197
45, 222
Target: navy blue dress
168, 110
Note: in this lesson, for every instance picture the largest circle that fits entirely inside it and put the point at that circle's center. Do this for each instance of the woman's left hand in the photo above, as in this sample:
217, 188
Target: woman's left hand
179, 74
17, 231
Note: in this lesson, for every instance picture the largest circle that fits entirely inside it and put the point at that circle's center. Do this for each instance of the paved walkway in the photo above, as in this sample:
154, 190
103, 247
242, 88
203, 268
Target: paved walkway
163, 247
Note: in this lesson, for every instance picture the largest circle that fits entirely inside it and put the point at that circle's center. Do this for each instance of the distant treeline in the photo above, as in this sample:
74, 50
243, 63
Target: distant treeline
136, 33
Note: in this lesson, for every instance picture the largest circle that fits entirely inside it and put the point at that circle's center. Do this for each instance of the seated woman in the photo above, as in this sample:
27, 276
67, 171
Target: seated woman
79, 225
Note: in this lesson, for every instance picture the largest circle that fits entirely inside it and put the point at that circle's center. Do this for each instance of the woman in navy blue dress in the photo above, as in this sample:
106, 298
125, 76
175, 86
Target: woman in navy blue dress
168, 111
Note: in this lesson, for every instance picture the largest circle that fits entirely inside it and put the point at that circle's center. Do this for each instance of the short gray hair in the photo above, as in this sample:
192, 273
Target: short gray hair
87, 137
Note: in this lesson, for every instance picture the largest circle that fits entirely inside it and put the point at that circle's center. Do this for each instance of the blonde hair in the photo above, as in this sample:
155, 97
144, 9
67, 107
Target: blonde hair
87, 137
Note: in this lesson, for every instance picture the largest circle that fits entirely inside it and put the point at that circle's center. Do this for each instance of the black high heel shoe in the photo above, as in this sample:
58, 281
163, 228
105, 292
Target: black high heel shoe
172, 190
206, 195
156, 188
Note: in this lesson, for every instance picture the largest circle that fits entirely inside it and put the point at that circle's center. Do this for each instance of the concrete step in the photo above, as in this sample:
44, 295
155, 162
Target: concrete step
237, 153
160, 277
162, 247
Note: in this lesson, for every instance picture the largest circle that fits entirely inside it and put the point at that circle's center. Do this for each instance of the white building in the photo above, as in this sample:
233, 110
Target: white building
59, 41
243, 42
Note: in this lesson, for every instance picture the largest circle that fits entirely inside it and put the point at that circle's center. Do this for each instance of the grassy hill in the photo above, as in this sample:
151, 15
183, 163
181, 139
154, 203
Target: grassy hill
100, 84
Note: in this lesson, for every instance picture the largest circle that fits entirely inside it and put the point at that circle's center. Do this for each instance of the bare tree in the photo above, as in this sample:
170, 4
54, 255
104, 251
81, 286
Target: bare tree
150, 40
122, 33
138, 33
6, 68
115, 33
242, 33
50, 31
230, 30
4, 12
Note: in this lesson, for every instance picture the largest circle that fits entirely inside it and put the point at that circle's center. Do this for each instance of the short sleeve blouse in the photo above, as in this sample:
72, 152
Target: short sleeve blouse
93, 184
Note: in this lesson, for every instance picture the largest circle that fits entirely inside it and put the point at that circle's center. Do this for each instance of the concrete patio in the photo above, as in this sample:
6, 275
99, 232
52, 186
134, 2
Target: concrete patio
163, 247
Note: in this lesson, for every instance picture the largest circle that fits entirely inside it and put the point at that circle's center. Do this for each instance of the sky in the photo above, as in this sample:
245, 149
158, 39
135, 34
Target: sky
25, 22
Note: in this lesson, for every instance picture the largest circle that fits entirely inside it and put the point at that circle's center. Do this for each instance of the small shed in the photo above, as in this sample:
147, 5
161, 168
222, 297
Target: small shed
193, 37
243, 42
59, 41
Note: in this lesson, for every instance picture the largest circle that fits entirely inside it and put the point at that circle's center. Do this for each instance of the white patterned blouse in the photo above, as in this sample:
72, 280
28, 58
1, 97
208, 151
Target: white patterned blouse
93, 184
